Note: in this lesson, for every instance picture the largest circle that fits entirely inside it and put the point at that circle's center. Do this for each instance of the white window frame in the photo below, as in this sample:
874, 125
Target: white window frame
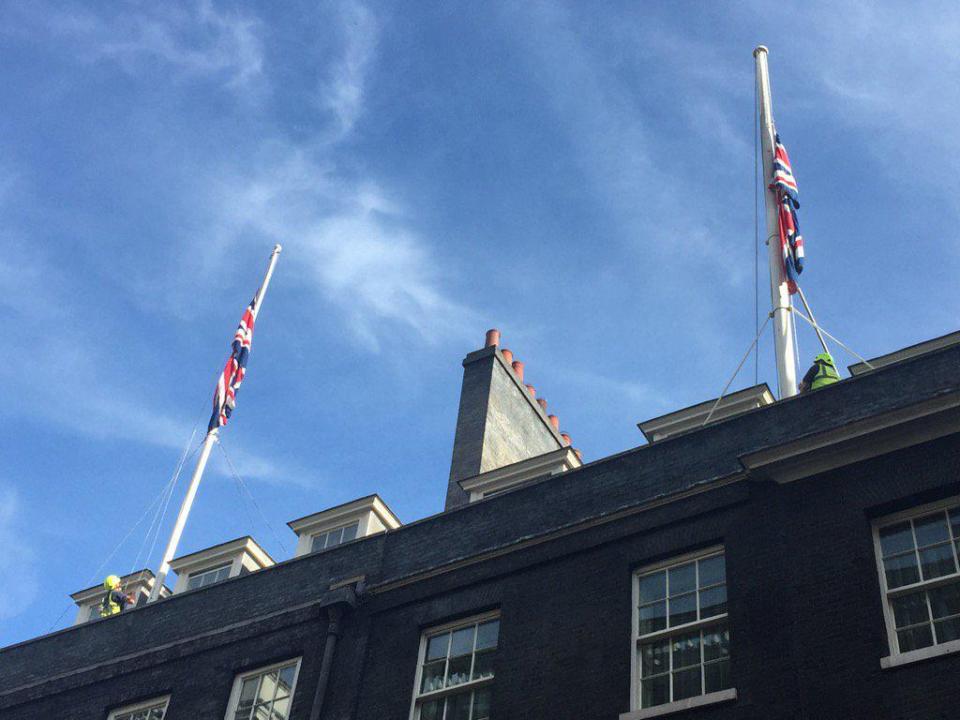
895, 657
215, 569
327, 533
144, 705
238, 683
636, 711
421, 655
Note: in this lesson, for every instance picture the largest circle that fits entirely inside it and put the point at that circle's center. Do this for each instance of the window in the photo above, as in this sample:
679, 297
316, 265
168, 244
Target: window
918, 565
682, 639
264, 693
154, 709
456, 669
208, 577
328, 539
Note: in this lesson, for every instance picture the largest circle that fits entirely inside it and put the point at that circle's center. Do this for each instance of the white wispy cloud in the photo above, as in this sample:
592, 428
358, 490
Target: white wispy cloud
342, 89
194, 41
18, 574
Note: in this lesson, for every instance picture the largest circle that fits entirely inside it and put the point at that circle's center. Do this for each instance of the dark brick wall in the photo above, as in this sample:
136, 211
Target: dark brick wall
807, 631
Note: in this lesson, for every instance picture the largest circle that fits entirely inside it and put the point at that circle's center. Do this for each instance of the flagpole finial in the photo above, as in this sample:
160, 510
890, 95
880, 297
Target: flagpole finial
760, 49
277, 248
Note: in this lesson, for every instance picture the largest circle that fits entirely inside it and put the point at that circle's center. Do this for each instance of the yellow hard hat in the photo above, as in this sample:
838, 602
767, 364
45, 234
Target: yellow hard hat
111, 582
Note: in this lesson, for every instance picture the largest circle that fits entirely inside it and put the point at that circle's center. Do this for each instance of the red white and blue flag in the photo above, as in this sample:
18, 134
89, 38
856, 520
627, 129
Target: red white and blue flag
225, 396
791, 241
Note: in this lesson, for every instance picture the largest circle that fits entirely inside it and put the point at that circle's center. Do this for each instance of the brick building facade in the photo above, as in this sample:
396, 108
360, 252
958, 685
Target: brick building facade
797, 560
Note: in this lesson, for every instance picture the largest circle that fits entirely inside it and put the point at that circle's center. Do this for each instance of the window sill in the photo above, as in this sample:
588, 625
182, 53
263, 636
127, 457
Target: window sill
892, 661
680, 705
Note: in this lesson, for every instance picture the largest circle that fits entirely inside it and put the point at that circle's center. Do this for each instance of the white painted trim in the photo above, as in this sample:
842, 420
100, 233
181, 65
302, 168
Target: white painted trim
238, 682
947, 648
636, 639
508, 476
896, 658
153, 702
680, 705
421, 654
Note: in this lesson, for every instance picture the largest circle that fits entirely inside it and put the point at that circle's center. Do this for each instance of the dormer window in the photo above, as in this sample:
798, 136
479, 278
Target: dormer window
327, 529
138, 585
330, 538
208, 577
218, 563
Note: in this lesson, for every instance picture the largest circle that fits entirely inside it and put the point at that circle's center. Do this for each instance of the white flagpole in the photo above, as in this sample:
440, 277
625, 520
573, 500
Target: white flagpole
202, 461
780, 302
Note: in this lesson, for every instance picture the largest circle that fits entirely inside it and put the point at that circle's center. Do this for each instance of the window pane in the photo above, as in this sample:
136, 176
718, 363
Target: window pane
947, 629
483, 664
901, 570
653, 587
713, 601
281, 709
937, 561
286, 679
268, 687
432, 710
712, 571
437, 646
487, 634
653, 658
653, 617
896, 539
248, 691
654, 691
432, 676
914, 638
458, 706
481, 704
319, 542
462, 643
458, 670
716, 676
350, 532
955, 522
945, 600
686, 650
910, 609
686, 683
682, 579
716, 644
683, 609
931, 529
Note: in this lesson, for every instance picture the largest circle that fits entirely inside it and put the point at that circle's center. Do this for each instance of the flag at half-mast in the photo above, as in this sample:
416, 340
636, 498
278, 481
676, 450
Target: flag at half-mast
791, 242
225, 396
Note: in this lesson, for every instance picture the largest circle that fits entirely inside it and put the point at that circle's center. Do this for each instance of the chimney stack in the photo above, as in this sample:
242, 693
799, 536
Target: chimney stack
500, 420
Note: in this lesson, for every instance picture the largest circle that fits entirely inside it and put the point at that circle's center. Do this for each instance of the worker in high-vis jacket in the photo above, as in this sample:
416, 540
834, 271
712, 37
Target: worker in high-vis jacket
823, 372
114, 602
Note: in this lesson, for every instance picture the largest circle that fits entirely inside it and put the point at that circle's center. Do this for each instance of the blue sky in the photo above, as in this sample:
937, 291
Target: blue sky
579, 175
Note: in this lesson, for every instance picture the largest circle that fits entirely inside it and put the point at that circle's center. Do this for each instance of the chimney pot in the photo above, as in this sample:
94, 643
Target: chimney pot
531, 389
507, 355
518, 369
555, 421
566, 438
493, 337
542, 402
579, 454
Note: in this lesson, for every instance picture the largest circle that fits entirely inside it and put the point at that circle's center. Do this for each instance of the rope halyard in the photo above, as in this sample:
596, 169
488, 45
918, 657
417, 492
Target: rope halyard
242, 484
838, 342
733, 377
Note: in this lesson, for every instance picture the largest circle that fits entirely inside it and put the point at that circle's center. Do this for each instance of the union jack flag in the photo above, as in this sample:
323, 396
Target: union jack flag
225, 396
791, 241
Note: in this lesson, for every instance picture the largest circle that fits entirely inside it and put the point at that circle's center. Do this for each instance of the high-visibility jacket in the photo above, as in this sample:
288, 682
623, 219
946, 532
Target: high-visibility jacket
113, 603
826, 375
